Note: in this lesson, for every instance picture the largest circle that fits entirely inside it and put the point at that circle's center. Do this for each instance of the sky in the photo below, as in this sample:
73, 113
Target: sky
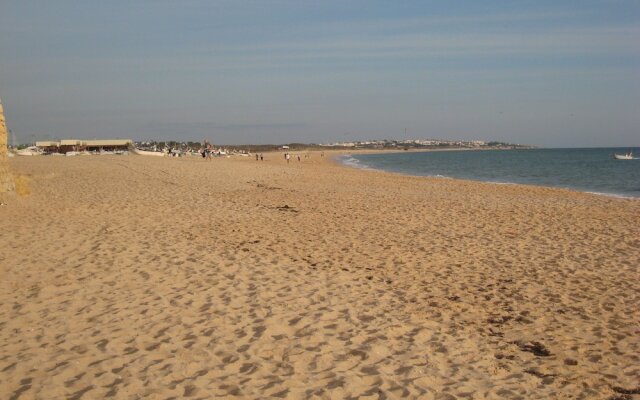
546, 73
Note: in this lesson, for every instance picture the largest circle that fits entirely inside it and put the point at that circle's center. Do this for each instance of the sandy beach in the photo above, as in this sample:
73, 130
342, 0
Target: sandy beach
132, 277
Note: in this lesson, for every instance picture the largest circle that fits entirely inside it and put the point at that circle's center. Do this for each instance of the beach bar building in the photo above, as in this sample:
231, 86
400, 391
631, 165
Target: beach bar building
67, 145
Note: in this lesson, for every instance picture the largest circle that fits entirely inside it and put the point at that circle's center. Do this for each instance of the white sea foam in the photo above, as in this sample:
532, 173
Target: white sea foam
350, 161
617, 196
503, 183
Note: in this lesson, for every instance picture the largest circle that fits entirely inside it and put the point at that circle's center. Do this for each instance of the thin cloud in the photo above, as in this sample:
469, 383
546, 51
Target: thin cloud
572, 40
173, 126
602, 42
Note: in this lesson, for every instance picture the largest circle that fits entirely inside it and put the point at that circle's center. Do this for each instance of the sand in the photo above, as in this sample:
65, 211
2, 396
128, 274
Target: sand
135, 277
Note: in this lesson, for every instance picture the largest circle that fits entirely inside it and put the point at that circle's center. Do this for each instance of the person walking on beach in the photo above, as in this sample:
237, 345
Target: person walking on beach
261, 158
298, 157
287, 157
256, 156
206, 150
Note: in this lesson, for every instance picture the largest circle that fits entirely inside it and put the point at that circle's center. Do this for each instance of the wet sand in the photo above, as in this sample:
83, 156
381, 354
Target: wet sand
133, 277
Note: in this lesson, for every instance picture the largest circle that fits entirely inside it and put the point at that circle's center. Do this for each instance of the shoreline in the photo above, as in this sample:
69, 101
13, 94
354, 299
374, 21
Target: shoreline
572, 189
143, 276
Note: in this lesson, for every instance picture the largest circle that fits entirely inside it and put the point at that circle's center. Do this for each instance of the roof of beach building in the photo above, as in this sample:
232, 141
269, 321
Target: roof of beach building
92, 143
69, 142
47, 143
107, 142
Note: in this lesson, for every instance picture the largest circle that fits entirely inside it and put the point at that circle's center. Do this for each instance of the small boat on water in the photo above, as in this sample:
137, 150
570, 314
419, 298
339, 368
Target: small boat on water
627, 156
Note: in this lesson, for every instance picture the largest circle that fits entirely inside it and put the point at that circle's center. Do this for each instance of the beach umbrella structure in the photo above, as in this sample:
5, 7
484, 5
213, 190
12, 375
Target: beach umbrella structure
6, 178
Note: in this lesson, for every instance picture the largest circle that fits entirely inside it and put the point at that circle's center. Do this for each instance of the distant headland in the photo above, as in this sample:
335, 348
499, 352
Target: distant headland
378, 144
67, 146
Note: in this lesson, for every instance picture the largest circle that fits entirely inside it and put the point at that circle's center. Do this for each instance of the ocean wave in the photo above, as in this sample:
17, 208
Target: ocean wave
503, 183
350, 161
617, 196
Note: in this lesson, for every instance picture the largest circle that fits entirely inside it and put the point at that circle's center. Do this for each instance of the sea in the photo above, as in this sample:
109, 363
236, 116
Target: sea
592, 170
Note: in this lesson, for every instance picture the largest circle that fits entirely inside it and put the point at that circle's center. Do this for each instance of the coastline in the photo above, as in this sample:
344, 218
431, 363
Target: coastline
341, 159
134, 276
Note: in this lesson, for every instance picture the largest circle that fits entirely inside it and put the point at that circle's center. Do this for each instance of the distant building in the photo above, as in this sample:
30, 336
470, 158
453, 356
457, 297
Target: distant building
67, 145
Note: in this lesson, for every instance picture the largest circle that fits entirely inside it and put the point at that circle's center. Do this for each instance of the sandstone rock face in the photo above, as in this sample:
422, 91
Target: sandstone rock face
6, 179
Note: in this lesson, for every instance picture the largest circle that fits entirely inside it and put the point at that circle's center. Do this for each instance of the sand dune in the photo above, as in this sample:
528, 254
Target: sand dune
131, 277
